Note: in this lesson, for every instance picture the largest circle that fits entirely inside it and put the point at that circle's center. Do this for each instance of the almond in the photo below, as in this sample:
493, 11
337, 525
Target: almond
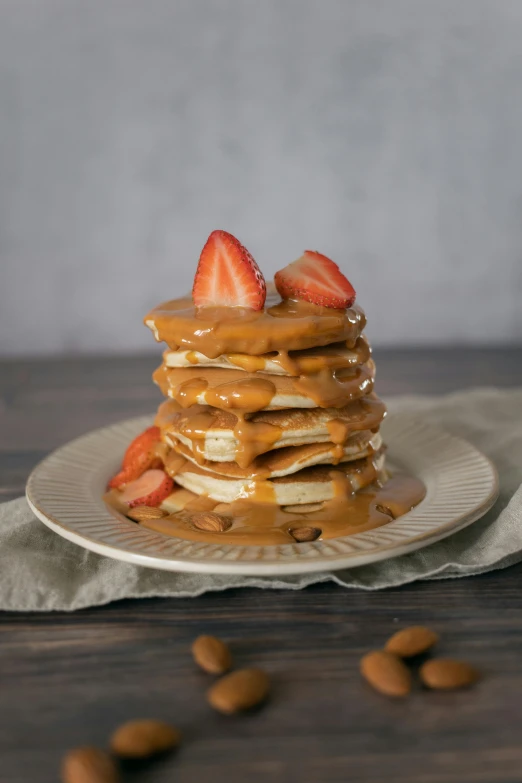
411, 641
240, 690
386, 673
212, 654
446, 674
144, 513
139, 739
89, 765
301, 534
210, 522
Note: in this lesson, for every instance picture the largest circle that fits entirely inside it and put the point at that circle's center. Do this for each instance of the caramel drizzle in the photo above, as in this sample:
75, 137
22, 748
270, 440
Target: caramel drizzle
254, 437
287, 325
260, 523
296, 363
287, 461
327, 388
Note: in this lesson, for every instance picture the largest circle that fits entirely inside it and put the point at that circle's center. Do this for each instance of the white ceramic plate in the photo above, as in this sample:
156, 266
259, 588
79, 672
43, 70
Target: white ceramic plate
65, 492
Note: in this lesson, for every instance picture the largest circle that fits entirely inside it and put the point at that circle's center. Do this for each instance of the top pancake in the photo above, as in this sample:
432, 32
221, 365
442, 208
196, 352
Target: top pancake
281, 326
293, 363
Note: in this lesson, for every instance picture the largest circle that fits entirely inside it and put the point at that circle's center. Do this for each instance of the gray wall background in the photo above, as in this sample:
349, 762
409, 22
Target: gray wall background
385, 133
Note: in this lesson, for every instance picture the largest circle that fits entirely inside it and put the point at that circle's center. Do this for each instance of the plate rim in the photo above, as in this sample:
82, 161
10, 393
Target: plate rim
299, 565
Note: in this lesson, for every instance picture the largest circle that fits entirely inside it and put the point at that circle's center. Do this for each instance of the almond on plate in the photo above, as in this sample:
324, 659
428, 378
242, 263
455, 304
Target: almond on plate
142, 738
212, 654
210, 522
145, 513
302, 534
238, 691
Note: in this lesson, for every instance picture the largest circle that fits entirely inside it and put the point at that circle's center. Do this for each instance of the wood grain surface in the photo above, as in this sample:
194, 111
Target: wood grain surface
68, 680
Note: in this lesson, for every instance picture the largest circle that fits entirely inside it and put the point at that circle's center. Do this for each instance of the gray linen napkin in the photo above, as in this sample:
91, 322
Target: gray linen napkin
40, 571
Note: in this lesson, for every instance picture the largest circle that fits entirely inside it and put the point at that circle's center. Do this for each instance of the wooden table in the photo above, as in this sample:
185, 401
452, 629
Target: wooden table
69, 679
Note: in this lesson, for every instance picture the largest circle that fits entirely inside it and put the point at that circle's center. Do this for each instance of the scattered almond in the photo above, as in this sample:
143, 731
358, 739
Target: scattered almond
386, 673
139, 739
411, 641
212, 654
210, 522
144, 513
240, 690
447, 674
301, 534
89, 765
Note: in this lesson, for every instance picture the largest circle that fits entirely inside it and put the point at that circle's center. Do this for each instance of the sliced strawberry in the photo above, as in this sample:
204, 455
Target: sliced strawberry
150, 489
130, 473
142, 444
133, 470
141, 454
317, 279
227, 275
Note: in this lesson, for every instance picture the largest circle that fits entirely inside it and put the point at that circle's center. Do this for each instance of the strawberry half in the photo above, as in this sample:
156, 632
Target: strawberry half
150, 489
142, 444
140, 456
129, 473
227, 275
317, 279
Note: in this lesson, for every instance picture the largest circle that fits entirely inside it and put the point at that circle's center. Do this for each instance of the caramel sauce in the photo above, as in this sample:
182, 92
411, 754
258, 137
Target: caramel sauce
335, 388
280, 326
339, 431
230, 390
260, 432
188, 392
258, 522
253, 439
248, 394
174, 462
285, 462
249, 363
335, 357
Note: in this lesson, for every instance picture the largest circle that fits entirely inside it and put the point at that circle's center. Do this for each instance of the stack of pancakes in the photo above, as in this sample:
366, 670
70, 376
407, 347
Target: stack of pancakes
275, 407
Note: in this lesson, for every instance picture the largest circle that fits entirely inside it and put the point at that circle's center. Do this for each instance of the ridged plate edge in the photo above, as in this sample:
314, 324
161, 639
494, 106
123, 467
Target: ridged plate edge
65, 490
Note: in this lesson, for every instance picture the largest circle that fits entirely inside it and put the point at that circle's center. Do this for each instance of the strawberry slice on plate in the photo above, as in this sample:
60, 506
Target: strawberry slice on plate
150, 489
227, 275
140, 456
317, 279
143, 443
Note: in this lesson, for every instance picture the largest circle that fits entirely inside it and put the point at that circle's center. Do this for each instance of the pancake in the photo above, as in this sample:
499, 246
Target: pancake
282, 462
310, 485
306, 362
234, 389
222, 436
281, 326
